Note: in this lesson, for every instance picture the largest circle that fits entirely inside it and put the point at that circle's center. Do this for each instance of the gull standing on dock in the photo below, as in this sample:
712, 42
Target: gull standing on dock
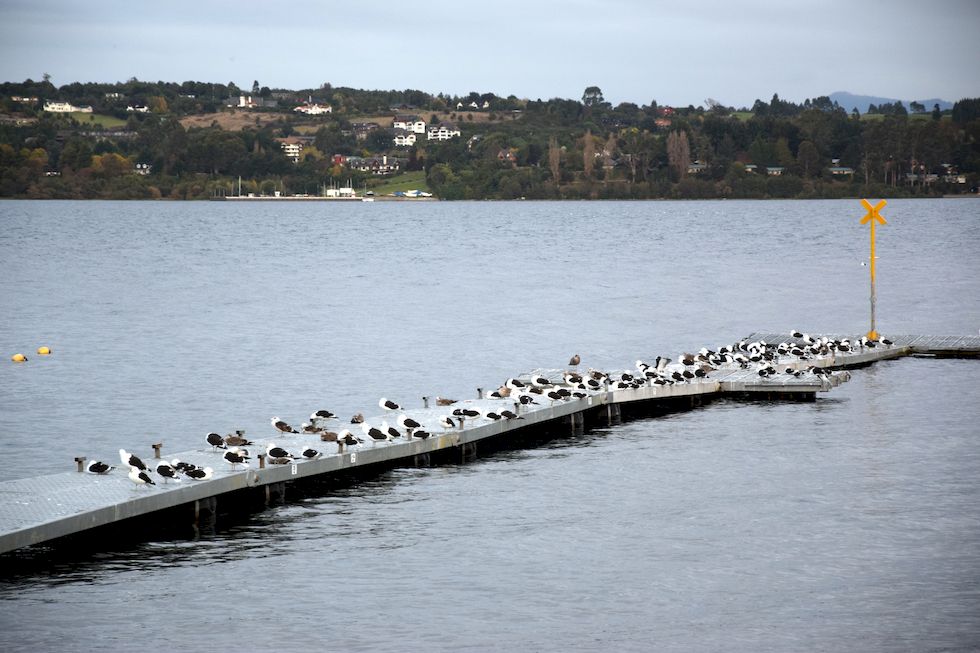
132, 460
236, 456
216, 441
408, 424
282, 426
138, 476
390, 430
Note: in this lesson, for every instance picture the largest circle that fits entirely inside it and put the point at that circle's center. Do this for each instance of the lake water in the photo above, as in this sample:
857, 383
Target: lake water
851, 523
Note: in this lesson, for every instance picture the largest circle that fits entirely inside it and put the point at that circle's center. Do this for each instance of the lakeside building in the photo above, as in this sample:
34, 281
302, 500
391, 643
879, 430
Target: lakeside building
443, 132
409, 123
65, 107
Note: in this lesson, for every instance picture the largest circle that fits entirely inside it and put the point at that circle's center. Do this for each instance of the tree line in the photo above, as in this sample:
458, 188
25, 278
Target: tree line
515, 148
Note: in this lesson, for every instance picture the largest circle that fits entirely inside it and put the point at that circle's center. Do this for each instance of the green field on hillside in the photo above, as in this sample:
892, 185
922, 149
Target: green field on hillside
414, 180
109, 122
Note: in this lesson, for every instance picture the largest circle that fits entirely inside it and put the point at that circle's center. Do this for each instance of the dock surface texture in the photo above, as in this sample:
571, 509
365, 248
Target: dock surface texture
44, 508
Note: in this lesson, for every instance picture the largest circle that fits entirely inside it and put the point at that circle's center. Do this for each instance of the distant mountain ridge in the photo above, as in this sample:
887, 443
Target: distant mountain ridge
849, 101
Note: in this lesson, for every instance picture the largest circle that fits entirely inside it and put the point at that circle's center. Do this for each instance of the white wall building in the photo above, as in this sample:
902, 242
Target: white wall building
443, 132
65, 107
314, 109
409, 123
292, 147
404, 138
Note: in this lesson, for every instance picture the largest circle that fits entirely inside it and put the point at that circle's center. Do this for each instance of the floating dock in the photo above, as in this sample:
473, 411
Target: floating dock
47, 508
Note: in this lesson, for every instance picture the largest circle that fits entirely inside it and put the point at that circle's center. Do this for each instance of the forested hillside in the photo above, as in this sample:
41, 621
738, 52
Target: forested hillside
195, 140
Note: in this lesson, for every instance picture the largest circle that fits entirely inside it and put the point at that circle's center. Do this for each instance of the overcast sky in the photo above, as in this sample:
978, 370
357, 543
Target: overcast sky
676, 52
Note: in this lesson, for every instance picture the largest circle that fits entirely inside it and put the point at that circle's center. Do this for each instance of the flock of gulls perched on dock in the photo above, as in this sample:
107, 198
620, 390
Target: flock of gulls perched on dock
515, 396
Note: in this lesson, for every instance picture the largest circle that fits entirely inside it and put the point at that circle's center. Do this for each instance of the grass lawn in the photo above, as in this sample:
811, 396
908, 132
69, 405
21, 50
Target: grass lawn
108, 122
743, 115
414, 180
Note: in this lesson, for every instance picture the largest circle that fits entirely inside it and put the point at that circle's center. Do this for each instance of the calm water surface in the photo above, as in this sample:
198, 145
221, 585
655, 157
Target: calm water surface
852, 523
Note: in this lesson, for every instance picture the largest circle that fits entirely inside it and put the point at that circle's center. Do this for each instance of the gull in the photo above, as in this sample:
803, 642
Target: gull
408, 424
236, 456
132, 460
282, 426
166, 470
199, 474
138, 476
98, 467
216, 441
388, 405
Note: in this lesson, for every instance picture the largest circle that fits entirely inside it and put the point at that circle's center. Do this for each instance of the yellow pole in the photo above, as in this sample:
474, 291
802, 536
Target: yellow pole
872, 217
873, 334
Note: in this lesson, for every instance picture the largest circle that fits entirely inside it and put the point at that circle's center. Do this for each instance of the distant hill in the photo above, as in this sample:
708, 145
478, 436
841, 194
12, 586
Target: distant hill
848, 101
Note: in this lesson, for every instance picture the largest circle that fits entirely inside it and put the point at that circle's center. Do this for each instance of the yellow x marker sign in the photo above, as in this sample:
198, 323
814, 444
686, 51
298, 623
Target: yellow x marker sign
873, 212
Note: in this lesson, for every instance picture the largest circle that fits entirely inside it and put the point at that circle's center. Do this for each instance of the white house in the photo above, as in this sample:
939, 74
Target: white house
314, 109
137, 109
292, 147
379, 165
404, 138
409, 123
244, 102
443, 132
65, 107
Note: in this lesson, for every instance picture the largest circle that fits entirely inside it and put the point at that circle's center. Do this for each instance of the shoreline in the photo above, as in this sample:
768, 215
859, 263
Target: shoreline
385, 198
301, 198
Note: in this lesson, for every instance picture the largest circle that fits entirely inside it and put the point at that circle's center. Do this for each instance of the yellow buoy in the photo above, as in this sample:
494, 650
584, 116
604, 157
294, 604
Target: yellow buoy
18, 358
43, 351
